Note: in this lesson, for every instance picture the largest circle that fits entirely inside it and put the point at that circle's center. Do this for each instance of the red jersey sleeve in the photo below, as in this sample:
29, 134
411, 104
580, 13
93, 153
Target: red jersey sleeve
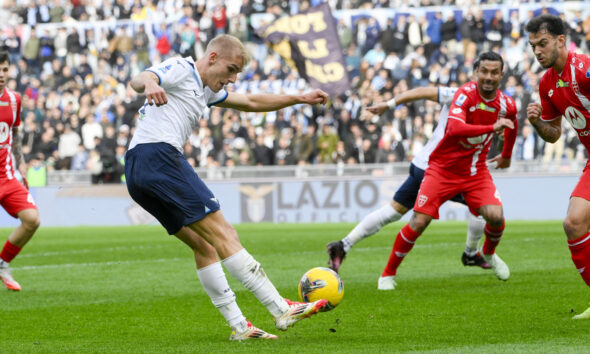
510, 134
18, 109
457, 123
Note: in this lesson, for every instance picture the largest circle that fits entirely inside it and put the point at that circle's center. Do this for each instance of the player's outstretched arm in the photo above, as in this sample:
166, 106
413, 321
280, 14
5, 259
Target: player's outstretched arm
418, 93
147, 82
550, 131
270, 102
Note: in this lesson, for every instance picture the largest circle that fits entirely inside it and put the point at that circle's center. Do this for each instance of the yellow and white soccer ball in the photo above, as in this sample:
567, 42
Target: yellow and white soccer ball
321, 283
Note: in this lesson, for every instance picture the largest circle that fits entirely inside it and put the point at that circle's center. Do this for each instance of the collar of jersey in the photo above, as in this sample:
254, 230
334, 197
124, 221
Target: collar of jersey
196, 75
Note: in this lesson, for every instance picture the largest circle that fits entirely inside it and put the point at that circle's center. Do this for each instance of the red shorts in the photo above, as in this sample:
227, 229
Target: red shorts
582, 189
14, 197
438, 187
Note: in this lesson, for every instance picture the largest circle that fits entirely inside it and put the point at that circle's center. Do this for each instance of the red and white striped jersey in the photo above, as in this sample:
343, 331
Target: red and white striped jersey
10, 104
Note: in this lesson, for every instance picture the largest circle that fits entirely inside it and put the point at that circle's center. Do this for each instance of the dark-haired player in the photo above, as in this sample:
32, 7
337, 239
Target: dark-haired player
565, 92
14, 196
458, 165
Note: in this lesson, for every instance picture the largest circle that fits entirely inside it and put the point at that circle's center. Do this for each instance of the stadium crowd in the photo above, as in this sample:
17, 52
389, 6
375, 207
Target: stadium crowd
78, 111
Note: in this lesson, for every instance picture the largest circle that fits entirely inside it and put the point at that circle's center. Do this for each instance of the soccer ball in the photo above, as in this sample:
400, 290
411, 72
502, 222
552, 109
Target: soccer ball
321, 283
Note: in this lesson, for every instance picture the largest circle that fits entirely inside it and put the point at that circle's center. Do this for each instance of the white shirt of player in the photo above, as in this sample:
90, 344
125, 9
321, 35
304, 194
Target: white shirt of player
174, 122
445, 97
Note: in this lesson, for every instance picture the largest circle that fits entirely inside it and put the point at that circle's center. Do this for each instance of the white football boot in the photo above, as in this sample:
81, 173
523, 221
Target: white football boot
251, 333
8, 280
386, 283
498, 266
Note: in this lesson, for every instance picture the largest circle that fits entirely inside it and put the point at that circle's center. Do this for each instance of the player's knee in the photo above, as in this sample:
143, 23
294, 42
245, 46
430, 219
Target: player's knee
574, 227
496, 220
31, 222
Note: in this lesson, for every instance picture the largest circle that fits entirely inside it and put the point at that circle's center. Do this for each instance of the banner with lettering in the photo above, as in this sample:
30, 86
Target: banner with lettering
309, 43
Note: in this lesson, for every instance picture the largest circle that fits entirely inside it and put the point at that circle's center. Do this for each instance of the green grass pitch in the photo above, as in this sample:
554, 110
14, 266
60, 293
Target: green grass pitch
135, 290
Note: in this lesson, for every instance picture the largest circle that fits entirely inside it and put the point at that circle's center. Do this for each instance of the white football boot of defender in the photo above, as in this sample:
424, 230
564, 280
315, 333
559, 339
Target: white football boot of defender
8, 280
386, 283
498, 266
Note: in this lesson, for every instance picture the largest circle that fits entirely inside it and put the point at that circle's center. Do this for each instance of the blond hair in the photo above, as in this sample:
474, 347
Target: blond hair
224, 42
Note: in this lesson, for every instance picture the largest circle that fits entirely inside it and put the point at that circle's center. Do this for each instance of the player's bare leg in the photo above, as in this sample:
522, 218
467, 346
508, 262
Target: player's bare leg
493, 231
16, 241
404, 242
215, 229
370, 225
215, 283
576, 226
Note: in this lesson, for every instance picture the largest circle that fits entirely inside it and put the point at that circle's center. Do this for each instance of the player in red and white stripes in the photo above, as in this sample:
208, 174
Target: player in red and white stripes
14, 196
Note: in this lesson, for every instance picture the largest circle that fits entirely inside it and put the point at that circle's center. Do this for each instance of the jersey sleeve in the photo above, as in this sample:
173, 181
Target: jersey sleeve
510, 134
457, 123
446, 94
18, 109
550, 112
171, 72
216, 97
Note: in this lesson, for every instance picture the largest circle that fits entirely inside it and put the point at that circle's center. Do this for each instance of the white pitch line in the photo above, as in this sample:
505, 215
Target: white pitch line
70, 265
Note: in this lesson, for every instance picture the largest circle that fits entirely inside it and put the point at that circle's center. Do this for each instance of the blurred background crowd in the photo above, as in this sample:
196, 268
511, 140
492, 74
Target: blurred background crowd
72, 61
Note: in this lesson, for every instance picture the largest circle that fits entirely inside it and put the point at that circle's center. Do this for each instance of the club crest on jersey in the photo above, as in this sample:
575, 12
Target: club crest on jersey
422, 199
561, 83
460, 100
485, 107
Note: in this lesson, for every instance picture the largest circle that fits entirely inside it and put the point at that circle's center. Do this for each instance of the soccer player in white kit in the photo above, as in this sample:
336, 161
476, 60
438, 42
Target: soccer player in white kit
405, 197
160, 179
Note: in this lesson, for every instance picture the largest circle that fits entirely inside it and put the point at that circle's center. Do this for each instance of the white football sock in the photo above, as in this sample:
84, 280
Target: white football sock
475, 225
242, 266
215, 284
370, 225
3, 263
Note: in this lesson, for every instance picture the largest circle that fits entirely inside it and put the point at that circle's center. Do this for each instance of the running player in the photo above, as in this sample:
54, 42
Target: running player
565, 92
405, 197
14, 196
458, 165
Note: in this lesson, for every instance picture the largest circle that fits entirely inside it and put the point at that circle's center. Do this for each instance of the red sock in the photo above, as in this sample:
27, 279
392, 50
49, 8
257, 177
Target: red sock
403, 244
493, 236
580, 249
9, 252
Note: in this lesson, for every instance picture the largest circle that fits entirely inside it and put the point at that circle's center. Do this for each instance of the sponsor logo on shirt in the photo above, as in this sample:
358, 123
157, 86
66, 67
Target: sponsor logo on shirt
460, 100
561, 83
485, 107
457, 110
550, 93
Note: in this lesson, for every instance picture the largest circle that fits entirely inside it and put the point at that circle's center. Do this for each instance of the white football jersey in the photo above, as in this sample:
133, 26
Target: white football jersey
188, 100
445, 97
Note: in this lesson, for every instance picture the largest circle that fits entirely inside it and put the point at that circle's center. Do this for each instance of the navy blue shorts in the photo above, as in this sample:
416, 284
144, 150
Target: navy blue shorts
161, 180
408, 192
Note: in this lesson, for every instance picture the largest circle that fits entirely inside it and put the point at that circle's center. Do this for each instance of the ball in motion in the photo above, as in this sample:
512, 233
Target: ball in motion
321, 283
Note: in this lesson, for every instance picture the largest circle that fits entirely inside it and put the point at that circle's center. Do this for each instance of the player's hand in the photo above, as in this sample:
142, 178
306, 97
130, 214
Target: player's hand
155, 94
314, 97
378, 108
533, 112
500, 161
503, 123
